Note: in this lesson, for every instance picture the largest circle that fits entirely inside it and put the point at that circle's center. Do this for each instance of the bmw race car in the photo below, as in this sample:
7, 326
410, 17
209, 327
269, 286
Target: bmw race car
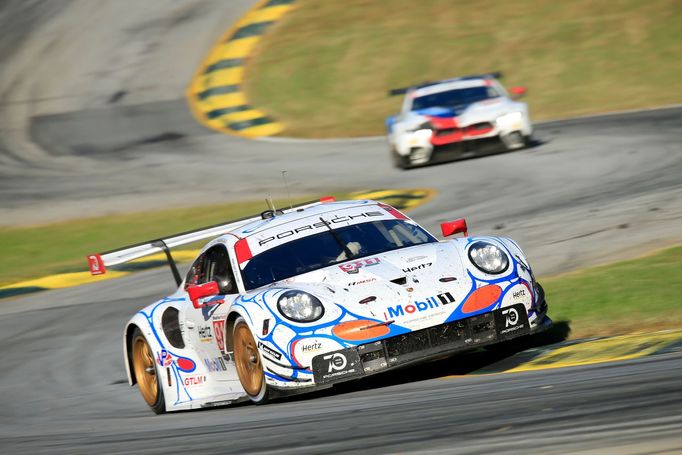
457, 118
297, 300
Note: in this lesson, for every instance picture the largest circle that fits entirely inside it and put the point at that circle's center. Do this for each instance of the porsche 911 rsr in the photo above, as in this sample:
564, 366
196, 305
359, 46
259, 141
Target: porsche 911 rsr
457, 118
302, 299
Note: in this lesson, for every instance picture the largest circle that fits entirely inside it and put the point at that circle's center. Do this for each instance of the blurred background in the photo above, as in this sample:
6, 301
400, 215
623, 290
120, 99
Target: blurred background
123, 120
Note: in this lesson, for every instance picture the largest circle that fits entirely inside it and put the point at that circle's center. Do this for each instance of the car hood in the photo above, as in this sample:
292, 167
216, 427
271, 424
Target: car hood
414, 287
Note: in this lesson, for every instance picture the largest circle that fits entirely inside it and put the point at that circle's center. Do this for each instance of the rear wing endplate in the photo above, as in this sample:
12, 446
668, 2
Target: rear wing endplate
98, 263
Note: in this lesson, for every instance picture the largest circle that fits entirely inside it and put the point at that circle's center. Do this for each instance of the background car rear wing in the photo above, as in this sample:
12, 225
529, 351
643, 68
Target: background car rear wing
402, 91
99, 262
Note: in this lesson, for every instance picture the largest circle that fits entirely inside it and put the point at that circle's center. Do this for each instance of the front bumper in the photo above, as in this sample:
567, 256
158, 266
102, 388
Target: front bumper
421, 345
468, 148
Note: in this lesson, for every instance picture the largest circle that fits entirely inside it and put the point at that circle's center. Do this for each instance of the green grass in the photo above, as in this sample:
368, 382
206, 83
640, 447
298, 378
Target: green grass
642, 294
325, 69
37, 251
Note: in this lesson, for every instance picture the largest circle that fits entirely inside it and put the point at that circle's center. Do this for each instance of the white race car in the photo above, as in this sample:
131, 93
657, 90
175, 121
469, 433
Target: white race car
297, 300
457, 118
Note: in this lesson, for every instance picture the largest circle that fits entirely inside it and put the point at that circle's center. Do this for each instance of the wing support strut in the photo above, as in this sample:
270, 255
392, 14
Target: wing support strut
171, 262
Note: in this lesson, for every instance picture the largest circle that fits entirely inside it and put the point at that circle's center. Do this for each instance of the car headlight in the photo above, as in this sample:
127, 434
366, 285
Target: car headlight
300, 306
510, 118
488, 258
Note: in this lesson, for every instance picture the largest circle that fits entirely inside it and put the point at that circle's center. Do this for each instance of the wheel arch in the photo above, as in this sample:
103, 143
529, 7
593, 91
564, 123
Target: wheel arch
229, 327
136, 322
127, 354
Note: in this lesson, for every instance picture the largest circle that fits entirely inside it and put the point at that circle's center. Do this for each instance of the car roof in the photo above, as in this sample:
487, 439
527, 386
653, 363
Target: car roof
259, 226
452, 84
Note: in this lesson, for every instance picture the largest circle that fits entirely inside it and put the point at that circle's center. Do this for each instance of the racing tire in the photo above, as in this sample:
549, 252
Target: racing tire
399, 161
514, 141
146, 373
249, 363
527, 141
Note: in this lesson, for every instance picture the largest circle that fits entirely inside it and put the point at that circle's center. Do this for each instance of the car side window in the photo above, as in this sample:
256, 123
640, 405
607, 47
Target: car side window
218, 269
196, 274
213, 265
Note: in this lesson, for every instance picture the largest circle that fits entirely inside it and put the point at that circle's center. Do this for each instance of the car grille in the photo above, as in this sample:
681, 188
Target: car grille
480, 128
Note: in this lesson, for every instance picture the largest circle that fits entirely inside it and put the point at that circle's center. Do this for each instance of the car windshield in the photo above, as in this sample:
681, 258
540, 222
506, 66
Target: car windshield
331, 247
452, 98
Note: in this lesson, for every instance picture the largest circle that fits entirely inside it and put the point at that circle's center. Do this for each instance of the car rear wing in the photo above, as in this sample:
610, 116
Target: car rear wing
99, 262
403, 90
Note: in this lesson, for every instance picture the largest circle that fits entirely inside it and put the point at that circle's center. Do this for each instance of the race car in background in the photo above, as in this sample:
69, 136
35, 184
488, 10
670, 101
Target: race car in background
297, 300
457, 118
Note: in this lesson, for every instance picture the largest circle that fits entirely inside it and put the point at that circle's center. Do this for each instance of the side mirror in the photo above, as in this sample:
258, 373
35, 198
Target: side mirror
202, 290
454, 227
517, 92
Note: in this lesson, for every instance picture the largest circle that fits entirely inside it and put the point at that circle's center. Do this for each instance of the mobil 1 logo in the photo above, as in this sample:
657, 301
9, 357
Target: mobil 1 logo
511, 321
336, 366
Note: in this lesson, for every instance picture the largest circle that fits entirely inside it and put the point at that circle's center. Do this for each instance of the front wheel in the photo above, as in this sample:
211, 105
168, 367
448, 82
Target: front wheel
145, 373
514, 140
399, 161
249, 364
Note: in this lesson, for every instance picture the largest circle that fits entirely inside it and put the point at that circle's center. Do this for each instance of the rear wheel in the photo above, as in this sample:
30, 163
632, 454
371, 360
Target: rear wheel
145, 371
248, 361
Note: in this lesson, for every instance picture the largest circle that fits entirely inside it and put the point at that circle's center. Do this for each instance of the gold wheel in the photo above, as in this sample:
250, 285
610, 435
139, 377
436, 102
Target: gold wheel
145, 370
247, 360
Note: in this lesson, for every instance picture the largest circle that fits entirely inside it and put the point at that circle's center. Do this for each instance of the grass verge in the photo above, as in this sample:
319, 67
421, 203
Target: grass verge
34, 252
643, 294
325, 69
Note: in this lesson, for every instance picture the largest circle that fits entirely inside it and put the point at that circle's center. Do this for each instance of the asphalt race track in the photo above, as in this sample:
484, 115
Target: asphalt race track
64, 391
63, 383
590, 191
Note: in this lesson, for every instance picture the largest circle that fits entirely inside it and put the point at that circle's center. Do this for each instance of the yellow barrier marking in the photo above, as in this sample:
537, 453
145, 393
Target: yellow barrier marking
227, 76
216, 123
65, 280
599, 351
402, 199
244, 115
612, 349
62, 280
267, 129
270, 13
227, 48
229, 100
238, 48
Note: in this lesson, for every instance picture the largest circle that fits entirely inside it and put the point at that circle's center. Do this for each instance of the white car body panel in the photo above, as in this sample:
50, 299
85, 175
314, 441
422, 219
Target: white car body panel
439, 283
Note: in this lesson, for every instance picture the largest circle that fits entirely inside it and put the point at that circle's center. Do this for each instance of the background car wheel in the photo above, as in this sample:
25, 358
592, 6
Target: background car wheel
419, 156
528, 141
514, 140
399, 161
145, 370
249, 364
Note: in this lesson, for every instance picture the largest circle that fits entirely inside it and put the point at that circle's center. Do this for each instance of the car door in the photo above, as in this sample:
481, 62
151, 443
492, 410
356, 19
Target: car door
205, 326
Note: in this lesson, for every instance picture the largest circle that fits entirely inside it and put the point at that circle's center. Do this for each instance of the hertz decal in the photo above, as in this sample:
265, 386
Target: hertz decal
215, 93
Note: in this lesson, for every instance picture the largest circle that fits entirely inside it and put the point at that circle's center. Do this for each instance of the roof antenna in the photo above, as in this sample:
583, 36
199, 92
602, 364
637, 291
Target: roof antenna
271, 205
286, 185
